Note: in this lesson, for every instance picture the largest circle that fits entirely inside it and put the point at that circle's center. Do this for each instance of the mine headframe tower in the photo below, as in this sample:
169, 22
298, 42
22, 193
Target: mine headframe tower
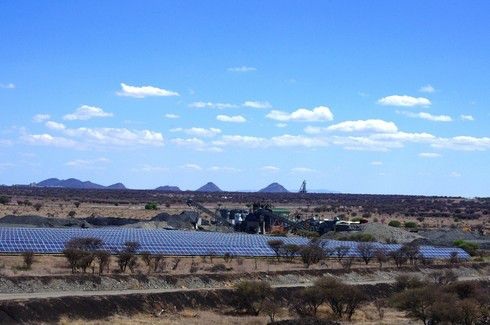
302, 189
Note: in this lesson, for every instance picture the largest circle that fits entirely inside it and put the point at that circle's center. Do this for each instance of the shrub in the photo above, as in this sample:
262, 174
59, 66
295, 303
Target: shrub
443, 277
341, 251
127, 258
72, 213
381, 257
411, 251
311, 254
358, 237
367, 251
405, 281
28, 258
410, 224
151, 206
343, 299
104, 260
276, 245
290, 251
271, 308
80, 252
470, 248
394, 223
38, 206
4, 200
251, 295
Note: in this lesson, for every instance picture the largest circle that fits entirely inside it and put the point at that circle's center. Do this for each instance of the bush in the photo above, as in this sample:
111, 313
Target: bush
290, 251
72, 213
151, 206
470, 248
410, 224
38, 206
4, 200
127, 258
394, 223
358, 237
311, 254
367, 251
28, 259
251, 295
276, 245
81, 251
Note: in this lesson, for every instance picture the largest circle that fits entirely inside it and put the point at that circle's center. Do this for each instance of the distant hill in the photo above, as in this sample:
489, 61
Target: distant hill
168, 188
274, 188
117, 186
75, 183
209, 187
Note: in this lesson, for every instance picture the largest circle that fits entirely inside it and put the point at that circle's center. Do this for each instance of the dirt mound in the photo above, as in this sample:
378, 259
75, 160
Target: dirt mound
185, 220
39, 221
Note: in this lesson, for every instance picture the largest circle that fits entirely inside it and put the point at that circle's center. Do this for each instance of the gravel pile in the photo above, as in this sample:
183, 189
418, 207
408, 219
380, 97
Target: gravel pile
446, 237
381, 233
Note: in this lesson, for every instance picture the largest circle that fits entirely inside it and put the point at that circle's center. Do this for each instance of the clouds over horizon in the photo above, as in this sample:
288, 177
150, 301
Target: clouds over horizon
86, 112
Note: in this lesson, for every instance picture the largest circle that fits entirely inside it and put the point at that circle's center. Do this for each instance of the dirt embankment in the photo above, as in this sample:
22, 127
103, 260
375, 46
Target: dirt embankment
79, 282
100, 307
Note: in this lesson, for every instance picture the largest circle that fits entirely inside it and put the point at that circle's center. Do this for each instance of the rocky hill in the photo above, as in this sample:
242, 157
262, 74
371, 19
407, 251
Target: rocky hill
209, 187
274, 188
168, 188
76, 183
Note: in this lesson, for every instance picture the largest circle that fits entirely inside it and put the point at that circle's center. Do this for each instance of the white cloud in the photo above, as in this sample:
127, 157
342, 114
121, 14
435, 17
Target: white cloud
7, 86
49, 140
287, 140
407, 101
5, 143
454, 174
242, 68
428, 116
212, 105
55, 125
231, 119
357, 126
301, 170
144, 91
195, 144
38, 118
429, 155
224, 169
466, 117
427, 89
172, 116
240, 140
88, 163
257, 104
281, 125
270, 169
320, 113
198, 132
463, 143
191, 167
86, 112
147, 168
376, 163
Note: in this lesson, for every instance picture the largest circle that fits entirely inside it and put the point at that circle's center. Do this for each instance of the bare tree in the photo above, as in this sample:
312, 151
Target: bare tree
276, 245
366, 250
341, 251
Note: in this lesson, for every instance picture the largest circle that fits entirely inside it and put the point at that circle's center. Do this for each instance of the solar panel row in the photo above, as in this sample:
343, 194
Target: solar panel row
176, 242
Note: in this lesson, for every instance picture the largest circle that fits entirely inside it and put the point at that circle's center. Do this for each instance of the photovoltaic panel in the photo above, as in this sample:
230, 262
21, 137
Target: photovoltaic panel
177, 242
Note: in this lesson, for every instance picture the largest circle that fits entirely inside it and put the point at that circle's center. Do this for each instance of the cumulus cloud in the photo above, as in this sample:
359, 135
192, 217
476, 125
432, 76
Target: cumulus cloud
212, 105
428, 116
404, 100
466, 117
257, 104
317, 114
240, 140
144, 91
55, 125
39, 118
86, 112
198, 132
429, 155
463, 143
242, 69
172, 116
281, 125
46, 139
427, 89
147, 168
231, 119
356, 126
195, 144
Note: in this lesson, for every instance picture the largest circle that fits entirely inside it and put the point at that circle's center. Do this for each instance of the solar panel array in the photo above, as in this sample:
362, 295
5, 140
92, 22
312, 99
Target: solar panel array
177, 242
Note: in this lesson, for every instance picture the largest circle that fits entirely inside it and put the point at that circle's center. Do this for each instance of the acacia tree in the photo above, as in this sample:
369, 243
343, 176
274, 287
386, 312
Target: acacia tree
127, 257
80, 252
366, 250
341, 251
381, 257
276, 245
251, 295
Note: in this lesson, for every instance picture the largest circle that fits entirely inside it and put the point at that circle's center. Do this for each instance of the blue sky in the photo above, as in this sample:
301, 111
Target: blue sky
353, 96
